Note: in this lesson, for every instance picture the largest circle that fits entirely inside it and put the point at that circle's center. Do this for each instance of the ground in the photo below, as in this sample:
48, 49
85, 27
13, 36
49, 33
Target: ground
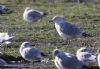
43, 35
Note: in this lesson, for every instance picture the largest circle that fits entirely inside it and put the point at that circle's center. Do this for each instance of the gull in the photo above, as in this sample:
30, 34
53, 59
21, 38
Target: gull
84, 55
98, 57
32, 15
4, 9
30, 53
9, 58
98, 60
5, 37
65, 60
5, 65
67, 30
83, 49
9, 62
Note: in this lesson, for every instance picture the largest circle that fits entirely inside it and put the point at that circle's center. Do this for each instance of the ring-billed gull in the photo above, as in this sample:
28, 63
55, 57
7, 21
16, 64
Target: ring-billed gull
66, 60
32, 15
84, 55
67, 30
30, 53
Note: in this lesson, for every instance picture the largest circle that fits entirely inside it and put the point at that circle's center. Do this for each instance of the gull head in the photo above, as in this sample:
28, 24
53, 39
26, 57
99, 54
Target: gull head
56, 51
57, 19
98, 52
82, 49
25, 44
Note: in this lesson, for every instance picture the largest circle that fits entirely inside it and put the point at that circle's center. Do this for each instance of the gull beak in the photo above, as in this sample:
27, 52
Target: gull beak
51, 58
32, 45
50, 21
45, 14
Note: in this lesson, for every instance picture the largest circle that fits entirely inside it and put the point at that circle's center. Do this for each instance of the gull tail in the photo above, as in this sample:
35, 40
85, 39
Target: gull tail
91, 67
8, 11
86, 67
86, 35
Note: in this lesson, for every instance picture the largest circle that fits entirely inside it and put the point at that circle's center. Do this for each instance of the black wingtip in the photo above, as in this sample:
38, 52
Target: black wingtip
86, 67
43, 54
86, 35
9, 11
45, 13
91, 67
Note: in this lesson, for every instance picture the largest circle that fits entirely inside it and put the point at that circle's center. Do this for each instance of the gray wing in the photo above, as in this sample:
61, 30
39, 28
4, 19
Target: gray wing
1, 9
33, 53
70, 62
70, 29
34, 14
2, 62
89, 56
4, 9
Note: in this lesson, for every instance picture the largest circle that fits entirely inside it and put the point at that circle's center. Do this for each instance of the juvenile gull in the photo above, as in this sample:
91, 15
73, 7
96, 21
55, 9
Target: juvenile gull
32, 15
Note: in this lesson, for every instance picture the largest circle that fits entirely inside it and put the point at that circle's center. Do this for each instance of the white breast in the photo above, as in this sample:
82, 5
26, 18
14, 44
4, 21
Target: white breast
58, 28
98, 60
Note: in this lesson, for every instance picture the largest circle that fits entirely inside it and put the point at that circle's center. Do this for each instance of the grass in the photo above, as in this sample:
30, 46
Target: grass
43, 34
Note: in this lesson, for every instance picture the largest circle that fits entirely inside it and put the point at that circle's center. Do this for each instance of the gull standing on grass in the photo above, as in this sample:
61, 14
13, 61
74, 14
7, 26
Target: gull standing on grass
67, 30
30, 53
66, 60
84, 55
32, 15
